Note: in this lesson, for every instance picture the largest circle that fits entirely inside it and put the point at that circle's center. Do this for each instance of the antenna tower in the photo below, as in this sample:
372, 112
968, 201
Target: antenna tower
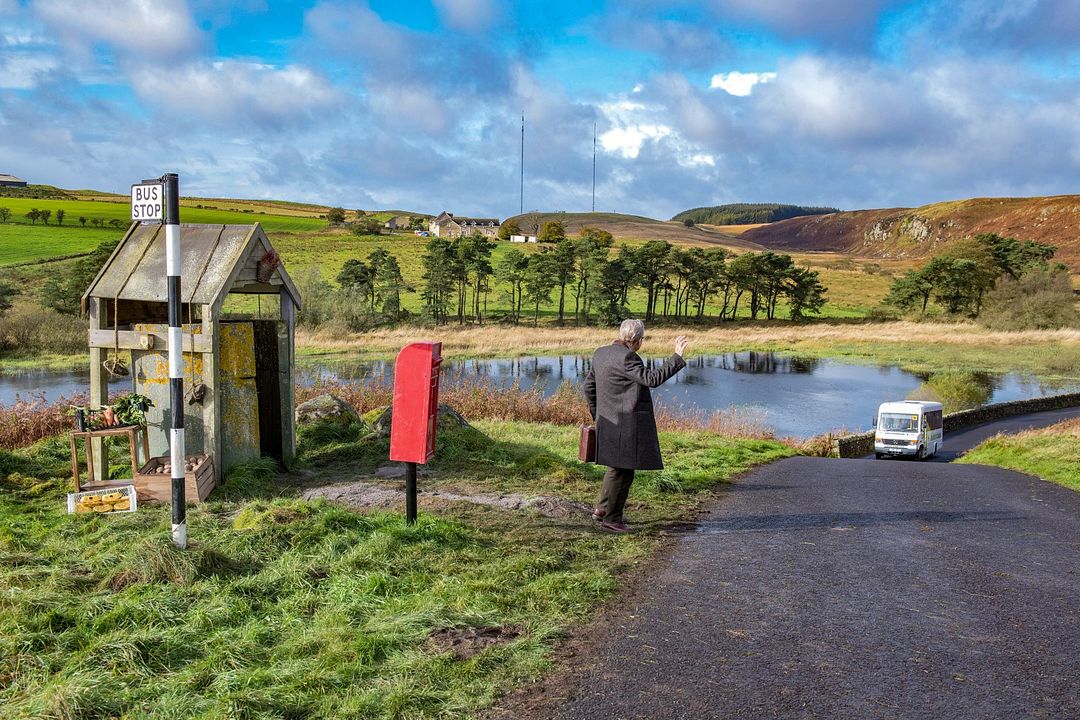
521, 190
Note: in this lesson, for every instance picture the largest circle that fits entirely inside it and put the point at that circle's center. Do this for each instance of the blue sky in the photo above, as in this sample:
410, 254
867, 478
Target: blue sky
417, 105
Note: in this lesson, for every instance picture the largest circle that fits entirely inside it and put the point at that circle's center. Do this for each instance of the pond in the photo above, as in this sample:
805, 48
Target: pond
793, 396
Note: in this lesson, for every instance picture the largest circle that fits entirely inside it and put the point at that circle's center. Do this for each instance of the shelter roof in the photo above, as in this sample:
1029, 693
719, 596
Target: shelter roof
215, 260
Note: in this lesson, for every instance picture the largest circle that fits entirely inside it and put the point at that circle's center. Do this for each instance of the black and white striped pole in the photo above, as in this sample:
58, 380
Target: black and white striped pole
176, 359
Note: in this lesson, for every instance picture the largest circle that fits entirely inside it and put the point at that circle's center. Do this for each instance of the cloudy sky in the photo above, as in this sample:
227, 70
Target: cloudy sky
417, 105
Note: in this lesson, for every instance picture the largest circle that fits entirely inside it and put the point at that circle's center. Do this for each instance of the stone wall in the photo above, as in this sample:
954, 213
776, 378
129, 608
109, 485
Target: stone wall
863, 444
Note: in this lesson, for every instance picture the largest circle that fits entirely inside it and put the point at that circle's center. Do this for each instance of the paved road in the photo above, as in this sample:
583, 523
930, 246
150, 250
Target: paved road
822, 588
959, 442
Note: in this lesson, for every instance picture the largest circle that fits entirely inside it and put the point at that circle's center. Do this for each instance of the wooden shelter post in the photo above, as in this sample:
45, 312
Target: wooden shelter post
212, 399
99, 383
286, 368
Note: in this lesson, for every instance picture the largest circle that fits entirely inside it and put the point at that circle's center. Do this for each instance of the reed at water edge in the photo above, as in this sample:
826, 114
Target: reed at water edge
28, 421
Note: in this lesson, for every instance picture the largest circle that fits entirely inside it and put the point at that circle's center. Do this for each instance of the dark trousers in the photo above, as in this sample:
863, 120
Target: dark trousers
613, 493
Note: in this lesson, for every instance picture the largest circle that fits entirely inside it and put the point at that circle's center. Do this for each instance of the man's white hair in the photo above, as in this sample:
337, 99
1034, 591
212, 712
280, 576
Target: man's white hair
630, 331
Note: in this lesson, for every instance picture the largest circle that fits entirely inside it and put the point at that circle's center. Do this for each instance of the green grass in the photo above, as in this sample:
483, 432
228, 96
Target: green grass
288, 608
29, 243
21, 241
1051, 453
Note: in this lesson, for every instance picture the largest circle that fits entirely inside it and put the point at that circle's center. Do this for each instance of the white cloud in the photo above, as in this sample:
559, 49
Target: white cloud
627, 141
850, 103
19, 71
236, 92
145, 29
468, 15
740, 84
410, 107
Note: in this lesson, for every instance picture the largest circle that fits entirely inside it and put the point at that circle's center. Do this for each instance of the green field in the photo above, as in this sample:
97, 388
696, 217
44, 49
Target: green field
26, 243
21, 241
853, 292
289, 608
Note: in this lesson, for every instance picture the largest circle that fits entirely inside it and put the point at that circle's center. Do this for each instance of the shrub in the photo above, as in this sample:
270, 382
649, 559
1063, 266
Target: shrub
29, 328
956, 390
30, 420
1039, 300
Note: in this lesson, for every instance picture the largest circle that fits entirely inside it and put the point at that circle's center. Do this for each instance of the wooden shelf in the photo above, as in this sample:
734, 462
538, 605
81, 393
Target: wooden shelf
87, 436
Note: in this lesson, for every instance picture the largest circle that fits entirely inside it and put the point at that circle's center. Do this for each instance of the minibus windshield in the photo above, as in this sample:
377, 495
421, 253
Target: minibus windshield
895, 422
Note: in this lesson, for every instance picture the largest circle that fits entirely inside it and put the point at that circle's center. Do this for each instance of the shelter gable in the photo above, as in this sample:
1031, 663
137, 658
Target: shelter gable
212, 259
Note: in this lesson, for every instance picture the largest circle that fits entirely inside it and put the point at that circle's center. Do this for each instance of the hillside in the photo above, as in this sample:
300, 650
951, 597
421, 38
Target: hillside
919, 232
747, 213
633, 227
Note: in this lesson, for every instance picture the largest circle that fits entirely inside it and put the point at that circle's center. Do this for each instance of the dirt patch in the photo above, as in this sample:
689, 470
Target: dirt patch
378, 495
464, 643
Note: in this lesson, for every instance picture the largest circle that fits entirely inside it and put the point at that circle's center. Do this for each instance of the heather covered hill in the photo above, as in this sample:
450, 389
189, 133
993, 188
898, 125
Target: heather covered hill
920, 232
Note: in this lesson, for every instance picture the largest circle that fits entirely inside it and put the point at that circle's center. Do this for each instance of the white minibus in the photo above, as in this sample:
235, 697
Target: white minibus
910, 427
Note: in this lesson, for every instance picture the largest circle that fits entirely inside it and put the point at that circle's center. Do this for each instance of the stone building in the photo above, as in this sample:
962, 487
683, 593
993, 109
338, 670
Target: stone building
447, 226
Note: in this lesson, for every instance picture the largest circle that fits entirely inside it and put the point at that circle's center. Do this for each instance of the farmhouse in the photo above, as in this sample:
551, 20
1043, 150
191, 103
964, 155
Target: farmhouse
11, 181
446, 225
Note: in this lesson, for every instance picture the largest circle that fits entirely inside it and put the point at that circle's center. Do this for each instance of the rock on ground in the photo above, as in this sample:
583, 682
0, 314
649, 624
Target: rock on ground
447, 414
326, 408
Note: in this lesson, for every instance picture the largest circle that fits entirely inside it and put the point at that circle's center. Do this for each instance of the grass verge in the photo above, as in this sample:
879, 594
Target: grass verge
1051, 453
283, 607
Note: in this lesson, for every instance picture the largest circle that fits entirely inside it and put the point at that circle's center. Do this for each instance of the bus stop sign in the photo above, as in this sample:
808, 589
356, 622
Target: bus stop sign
148, 202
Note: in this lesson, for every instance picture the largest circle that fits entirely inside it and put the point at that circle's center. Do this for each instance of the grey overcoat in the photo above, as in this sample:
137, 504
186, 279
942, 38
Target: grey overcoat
617, 388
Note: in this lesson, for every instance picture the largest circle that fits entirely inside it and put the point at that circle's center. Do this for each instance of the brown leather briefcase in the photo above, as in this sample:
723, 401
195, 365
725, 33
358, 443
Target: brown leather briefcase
587, 445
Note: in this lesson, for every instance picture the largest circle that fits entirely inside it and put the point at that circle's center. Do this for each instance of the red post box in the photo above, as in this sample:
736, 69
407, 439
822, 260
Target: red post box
416, 402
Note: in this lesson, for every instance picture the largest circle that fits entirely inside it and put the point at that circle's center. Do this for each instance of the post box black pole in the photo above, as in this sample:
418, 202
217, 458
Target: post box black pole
410, 492
176, 358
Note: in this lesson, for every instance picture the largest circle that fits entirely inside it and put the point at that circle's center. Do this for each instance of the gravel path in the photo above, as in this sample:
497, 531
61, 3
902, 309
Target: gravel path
822, 588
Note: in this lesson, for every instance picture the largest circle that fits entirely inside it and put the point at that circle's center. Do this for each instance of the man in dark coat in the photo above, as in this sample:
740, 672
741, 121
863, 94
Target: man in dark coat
617, 388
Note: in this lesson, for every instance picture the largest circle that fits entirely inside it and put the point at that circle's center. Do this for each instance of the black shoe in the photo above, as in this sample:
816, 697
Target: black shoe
615, 527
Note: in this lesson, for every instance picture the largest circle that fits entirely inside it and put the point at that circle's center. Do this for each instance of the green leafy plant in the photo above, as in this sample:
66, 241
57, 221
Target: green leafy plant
131, 409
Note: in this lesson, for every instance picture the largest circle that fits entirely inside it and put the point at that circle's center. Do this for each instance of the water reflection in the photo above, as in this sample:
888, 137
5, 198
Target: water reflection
796, 396
958, 390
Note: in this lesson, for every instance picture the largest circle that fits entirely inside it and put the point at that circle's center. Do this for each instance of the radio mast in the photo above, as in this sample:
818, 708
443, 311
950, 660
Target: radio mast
594, 167
521, 208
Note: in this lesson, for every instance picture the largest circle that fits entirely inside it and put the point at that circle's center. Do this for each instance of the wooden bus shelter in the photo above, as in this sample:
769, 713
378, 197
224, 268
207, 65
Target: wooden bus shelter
240, 366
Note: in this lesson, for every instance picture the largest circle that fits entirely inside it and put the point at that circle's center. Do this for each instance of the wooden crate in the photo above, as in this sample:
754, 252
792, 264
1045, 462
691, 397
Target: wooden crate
151, 485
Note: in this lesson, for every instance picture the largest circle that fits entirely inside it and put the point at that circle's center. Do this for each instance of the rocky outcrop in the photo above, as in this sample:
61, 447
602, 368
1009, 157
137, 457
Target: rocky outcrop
326, 408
